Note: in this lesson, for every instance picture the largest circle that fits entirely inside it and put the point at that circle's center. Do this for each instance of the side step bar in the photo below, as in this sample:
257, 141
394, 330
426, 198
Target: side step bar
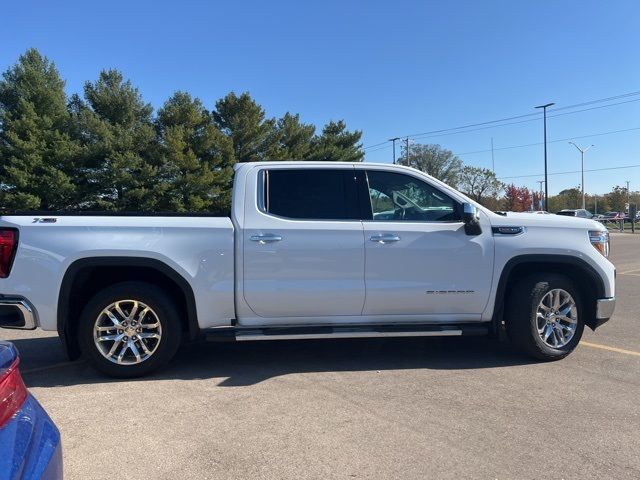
342, 331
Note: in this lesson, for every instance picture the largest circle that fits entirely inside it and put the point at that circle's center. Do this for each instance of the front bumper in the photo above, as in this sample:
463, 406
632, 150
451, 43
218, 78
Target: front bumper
604, 310
17, 312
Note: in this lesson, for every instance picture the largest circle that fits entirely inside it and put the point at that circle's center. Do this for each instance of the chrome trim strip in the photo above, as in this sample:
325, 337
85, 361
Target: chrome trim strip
605, 308
309, 336
262, 189
25, 309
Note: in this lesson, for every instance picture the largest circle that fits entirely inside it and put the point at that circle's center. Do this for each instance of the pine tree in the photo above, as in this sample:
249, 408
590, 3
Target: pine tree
121, 168
197, 159
337, 144
37, 156
293, 138
243, 120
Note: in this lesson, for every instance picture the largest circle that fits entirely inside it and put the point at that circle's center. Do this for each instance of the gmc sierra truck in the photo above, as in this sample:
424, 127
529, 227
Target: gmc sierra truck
310, 250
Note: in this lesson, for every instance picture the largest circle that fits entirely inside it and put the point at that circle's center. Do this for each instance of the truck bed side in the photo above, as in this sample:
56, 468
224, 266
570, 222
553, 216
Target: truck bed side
198, 249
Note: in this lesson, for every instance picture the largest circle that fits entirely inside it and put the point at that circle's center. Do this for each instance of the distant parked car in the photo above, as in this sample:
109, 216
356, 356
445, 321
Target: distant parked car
615, 217
582, 213
610, 214
29, 440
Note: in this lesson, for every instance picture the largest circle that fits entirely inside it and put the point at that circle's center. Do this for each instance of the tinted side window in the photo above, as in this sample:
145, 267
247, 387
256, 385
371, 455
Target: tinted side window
395, 196
311, 194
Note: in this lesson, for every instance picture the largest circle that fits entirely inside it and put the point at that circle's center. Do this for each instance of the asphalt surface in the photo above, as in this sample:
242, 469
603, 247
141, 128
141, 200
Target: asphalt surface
392, 408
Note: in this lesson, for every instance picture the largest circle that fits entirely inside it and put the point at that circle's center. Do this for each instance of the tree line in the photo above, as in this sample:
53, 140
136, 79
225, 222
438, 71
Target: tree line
483, 186
107, 150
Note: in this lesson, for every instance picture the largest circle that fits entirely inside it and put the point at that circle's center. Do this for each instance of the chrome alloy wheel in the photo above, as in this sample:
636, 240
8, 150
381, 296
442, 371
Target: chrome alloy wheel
127, 332
557, 318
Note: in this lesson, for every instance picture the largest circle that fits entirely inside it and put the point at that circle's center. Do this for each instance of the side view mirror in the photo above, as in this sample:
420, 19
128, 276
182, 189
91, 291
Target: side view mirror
471, 219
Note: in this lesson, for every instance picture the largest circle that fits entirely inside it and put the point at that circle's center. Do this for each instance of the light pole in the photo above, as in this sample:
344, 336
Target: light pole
393, 140
540, 182
546, 183
582, 151
628, 196
632, 211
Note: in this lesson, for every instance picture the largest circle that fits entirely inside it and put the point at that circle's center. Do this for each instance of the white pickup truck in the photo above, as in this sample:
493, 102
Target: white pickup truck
311, 250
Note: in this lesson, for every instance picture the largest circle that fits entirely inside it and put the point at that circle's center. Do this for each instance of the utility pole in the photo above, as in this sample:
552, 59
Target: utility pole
628, 196
632, 211
407, 147
493, 162
393, 140
595, 198
540, 182
546, 182
582, 152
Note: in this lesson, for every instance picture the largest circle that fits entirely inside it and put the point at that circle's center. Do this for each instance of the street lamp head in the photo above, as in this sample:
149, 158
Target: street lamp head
394, 139
581, 150
545, 106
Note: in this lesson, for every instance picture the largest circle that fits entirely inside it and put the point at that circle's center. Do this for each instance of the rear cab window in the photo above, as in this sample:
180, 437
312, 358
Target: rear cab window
310, 194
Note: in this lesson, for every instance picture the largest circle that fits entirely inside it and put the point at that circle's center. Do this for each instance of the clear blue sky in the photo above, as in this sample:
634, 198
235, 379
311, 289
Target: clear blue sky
387, 68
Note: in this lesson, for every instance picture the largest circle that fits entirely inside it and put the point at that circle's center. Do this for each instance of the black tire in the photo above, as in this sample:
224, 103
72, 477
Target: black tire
521, 315
163, 307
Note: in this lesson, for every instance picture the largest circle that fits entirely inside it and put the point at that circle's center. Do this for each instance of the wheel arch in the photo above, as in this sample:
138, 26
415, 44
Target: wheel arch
586, 277
85, 277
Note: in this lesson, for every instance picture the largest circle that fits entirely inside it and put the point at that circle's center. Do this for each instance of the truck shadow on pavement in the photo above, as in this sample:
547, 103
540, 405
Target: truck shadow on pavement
242, 364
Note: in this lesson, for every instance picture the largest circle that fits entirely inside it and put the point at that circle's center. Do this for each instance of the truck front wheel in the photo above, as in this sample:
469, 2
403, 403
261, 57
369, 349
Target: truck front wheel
543, 316
129, 329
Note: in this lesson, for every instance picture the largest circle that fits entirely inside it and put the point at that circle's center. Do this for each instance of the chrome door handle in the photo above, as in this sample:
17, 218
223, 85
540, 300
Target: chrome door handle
268, 238
388, 238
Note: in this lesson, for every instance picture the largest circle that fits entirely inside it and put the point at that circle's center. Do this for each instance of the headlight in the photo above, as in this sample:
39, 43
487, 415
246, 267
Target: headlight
600, 240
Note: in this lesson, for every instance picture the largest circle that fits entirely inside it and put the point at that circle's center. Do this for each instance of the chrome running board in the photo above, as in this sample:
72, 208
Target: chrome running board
312, 332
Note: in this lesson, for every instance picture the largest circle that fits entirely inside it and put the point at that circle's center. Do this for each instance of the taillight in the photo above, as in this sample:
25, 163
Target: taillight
8, 247
13, 393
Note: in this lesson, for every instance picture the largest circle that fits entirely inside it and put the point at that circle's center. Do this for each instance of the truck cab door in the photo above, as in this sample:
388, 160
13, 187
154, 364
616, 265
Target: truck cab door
303, 245
419, 260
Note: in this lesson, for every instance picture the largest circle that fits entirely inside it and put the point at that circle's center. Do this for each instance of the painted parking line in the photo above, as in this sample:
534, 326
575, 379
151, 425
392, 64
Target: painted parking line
50, 367
633, 271
611, 349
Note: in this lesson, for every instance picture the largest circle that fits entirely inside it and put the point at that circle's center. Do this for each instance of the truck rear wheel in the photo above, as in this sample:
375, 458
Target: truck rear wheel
544, 316
129, 329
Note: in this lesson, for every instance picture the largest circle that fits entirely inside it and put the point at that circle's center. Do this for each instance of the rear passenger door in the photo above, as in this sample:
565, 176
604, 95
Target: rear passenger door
304, 244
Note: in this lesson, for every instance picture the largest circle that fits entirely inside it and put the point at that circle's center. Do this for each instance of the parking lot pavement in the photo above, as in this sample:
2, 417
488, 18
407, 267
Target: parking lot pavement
403, 408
